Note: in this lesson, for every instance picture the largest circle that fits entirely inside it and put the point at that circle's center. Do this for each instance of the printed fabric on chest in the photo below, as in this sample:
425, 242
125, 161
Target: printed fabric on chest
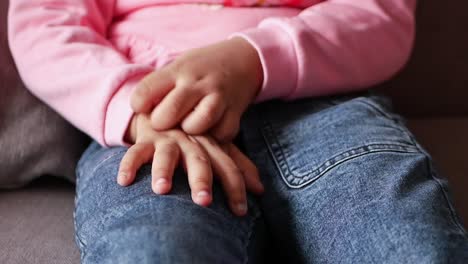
243, 3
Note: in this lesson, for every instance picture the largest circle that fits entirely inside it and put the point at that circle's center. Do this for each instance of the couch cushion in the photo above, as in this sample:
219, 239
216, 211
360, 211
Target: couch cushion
36, 224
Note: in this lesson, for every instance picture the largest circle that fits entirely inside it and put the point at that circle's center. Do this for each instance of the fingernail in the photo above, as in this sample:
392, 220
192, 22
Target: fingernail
160, 186
241, 208
203, 198
122, 176
161, 181
203, 194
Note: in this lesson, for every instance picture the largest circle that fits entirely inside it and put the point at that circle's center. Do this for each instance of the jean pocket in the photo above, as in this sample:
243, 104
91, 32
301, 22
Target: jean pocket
308, 138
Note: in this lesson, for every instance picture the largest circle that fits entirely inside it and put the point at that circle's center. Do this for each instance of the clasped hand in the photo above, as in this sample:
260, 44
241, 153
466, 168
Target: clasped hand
191, 109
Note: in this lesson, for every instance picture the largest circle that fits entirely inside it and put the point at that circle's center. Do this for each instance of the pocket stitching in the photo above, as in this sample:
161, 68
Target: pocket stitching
279, 158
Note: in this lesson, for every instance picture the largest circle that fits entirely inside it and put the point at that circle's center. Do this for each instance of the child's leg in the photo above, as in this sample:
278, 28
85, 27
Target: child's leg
117, 224
347, 183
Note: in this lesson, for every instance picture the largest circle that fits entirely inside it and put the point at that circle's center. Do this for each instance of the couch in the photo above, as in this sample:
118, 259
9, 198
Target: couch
36, 222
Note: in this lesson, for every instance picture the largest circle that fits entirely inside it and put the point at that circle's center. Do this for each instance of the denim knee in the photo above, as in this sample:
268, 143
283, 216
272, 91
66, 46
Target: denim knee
114, 224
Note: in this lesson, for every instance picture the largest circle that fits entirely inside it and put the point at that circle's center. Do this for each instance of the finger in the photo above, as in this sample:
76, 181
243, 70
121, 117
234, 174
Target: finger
151, 90
249, 170
205, 115
134, 158
227, 129
166, 158
170, 111
199, 172
228, 173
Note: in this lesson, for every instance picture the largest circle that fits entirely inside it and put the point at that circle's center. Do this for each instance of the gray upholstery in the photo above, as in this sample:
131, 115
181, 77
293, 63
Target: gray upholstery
36, 224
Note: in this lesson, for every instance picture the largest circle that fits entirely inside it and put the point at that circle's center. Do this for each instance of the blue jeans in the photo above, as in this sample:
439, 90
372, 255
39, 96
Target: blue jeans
345, 182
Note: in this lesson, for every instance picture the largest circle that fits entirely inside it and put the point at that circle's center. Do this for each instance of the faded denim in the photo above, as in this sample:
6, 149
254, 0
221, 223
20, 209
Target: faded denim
345, 180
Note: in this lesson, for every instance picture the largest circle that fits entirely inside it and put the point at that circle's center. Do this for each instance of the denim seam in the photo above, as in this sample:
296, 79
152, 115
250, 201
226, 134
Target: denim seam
310, 179
453, 214
78, 238
383, 114
280, 160
431, 170
249, 236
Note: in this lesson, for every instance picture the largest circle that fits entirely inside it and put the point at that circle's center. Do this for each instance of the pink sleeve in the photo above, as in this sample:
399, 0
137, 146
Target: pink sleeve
332, 47
64, 59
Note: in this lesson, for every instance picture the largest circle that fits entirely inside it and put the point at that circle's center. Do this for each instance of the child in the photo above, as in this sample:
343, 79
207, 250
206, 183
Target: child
342, 175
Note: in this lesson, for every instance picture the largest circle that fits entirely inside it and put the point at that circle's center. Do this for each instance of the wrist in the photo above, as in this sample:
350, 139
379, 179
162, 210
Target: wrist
253, 60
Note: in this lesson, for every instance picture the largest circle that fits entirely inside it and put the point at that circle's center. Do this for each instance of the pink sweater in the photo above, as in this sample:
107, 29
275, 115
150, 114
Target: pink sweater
84, 57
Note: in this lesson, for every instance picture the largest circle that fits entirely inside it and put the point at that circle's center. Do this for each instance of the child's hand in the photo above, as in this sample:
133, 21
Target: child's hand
199, 155
204, 89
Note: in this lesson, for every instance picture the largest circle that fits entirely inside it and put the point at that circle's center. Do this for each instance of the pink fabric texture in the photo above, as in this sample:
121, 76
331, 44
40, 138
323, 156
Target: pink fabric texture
84, 57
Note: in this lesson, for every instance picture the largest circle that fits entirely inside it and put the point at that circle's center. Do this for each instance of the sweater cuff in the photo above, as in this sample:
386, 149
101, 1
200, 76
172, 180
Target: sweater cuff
119, 113
278, 58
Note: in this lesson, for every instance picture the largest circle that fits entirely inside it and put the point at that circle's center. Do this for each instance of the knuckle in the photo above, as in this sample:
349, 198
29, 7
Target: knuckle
172, 109
199, 158
186, 82
213, 106
208, 114
132, 152
169, 152
167, 141
221, 75
174, 136
211, 84
190, 84
136, 149
226, 134
234, 171
168, 149
196, 91
199, 179
237, 196
160, 172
